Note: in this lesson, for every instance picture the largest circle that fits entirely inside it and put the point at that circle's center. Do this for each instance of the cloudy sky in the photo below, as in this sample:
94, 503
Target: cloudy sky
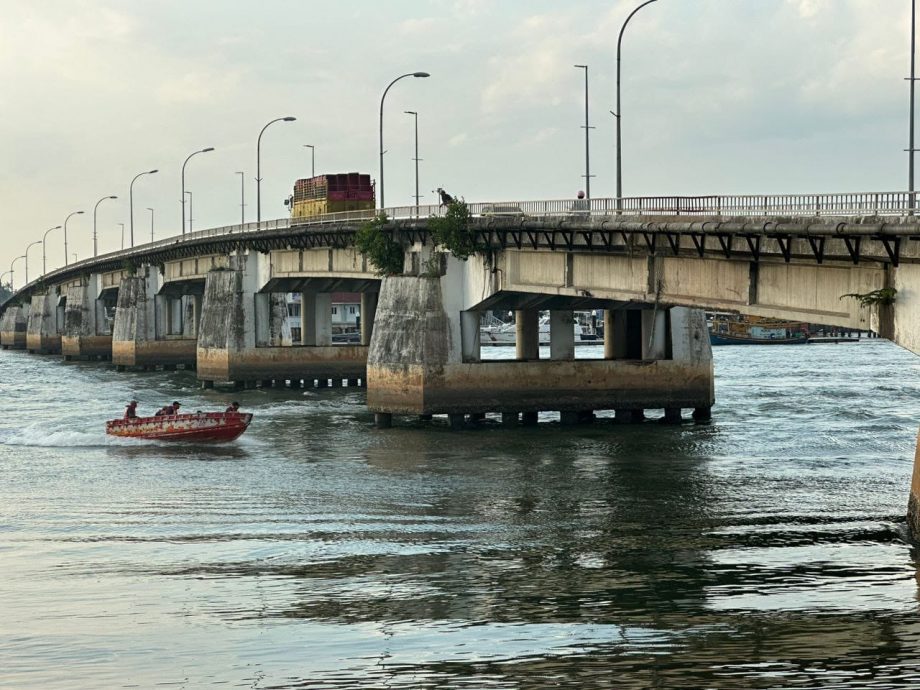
719, 97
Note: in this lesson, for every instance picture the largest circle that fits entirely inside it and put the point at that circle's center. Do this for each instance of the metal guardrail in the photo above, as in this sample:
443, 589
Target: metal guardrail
781, 205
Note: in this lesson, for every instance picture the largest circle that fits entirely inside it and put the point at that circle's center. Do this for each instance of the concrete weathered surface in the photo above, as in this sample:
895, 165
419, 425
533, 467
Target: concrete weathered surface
81, 338
234, 346
913, 502
134, 334
43, 335
414, 369
13, 328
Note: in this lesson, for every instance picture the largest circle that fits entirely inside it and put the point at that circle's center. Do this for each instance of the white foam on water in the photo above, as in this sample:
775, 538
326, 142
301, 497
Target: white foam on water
40, 435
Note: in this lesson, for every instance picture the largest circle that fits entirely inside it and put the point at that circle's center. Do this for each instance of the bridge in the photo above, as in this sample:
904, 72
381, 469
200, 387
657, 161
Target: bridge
214, 300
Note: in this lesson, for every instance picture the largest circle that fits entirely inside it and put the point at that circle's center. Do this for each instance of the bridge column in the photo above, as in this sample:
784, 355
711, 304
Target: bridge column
654, 333
239, 337
43, 333
142, 334
316, 319
527, 334
561, 335
368, 314
13, 327
86, 334
913, 502
418, 362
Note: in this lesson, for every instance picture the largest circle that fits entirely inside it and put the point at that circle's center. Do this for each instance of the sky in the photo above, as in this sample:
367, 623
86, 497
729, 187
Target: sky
717, 97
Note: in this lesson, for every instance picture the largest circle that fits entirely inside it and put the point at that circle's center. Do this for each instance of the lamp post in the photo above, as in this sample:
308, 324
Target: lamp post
151, 223
910, 145
289, 118
95, 245
619, 112
122, 235
27, 258
75, 213
242, 197
131, 200
191, 211
587, 146
13, 275
416, 159
44, 264
382, 98
312, 158
210, 148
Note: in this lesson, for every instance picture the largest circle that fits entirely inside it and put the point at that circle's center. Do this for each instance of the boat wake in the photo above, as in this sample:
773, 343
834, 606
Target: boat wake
40, 436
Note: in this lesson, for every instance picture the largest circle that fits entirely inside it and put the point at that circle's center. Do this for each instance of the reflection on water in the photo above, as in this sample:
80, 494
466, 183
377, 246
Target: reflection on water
765, 550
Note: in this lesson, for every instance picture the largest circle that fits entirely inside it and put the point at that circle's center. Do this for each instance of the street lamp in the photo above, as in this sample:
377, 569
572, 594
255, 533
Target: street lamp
242, 197
13, 275
312, 158
44, 264
910, 143
382, 98
619, 113
151, 223
131, 200
210, 148
587, 147
191, 211
95, 246
75, 213
416, 159
259, 165
27, 258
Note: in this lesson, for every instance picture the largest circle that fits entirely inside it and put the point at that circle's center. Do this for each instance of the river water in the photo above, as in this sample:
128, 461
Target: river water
765, 550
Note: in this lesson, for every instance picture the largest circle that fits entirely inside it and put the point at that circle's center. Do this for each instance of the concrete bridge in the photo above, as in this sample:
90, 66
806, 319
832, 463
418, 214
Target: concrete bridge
213, 300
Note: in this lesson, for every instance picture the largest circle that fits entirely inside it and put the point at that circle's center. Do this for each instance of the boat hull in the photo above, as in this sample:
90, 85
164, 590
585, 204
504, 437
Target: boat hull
203, 427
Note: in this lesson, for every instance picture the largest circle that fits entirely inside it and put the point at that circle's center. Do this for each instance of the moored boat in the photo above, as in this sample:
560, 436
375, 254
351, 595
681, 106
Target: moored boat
732, 329
200, 427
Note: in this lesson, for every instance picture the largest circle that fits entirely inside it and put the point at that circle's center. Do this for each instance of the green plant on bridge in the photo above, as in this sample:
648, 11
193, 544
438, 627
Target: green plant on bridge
881, 297
452, 231
374, 241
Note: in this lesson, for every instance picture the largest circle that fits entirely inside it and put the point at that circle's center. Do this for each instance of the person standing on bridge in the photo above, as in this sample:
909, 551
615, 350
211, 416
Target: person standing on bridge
582, 206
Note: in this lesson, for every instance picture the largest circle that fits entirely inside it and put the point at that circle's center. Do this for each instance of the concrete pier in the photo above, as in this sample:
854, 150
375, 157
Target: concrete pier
913, 502
13, 328
140, 335
87, 333
417, 366
241, 333
43, 333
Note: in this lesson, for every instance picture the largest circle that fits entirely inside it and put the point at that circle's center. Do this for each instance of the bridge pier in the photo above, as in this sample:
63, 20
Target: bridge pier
242, 332
87, 333
913, 502
43, 333
421, 361
13, 327
140, 334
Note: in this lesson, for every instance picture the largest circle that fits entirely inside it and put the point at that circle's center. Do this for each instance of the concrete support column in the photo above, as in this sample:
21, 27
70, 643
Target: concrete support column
913, 502
470, 336
80, 337
316, 319
139, 334
655, 334
43, 333
561, 335
13, 327
368, 315
615, 334
527, 333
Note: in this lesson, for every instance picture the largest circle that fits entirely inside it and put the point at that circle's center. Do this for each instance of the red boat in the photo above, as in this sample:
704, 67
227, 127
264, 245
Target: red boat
201, 427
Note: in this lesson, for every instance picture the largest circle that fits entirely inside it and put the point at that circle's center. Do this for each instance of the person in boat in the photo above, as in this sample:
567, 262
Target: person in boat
131, 410
234, 407
169, 409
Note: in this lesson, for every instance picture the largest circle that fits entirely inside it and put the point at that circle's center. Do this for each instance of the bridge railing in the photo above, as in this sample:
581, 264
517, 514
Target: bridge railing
802, 205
